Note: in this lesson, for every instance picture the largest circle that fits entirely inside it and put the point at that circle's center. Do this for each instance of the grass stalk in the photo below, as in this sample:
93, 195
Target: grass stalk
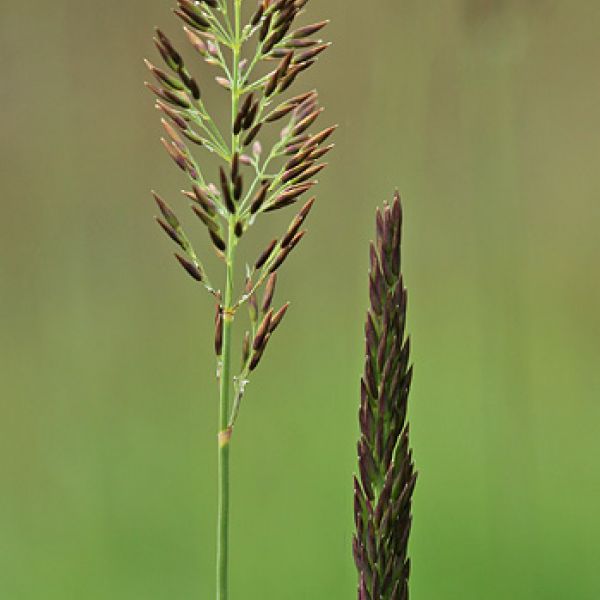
224, 437
249, 185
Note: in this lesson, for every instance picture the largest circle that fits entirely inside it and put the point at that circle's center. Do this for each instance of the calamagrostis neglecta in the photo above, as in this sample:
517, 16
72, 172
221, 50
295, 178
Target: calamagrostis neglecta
252, 182
383, 490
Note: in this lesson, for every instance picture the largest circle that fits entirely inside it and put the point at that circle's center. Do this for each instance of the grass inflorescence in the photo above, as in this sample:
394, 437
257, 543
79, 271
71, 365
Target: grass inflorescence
259, 61
383, 490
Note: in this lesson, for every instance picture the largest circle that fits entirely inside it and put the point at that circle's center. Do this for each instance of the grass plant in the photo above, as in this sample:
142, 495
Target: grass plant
259, 56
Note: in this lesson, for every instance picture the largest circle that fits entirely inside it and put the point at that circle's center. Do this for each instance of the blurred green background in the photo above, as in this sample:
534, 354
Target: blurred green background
485, 113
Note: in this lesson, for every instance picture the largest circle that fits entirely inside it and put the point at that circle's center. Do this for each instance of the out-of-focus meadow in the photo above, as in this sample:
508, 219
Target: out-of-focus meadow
486, 115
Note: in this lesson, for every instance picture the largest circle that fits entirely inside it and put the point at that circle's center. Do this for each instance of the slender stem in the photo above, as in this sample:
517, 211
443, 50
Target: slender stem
228, 315
224, 430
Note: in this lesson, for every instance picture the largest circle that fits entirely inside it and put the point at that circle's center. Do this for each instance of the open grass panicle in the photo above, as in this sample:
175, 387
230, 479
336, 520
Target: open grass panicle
258, 61
383, 490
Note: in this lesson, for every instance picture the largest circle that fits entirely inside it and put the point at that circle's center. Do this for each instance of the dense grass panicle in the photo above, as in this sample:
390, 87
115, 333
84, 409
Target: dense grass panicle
383, 490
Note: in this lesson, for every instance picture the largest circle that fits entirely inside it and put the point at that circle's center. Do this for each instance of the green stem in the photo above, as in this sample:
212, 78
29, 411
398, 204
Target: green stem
228, 314
224, 429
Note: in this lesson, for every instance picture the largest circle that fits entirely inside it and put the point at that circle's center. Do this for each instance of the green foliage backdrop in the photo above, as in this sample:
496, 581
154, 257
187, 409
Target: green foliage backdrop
486, 115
